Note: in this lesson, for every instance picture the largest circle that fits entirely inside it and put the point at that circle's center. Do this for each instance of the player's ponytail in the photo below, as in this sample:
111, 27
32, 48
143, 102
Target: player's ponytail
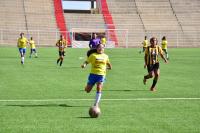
91, 51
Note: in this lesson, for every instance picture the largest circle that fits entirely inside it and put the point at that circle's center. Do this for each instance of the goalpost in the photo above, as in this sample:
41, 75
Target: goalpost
80, 37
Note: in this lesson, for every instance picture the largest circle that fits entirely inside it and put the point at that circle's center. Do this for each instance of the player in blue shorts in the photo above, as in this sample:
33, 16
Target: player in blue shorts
21, 44
99, 63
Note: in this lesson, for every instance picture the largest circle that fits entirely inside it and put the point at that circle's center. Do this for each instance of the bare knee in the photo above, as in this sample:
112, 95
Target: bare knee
99, 87
88, 88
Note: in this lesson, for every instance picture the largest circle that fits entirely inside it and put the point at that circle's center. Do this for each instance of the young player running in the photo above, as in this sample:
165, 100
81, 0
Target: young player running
61, 44
21, 44
164, 47
99, 63
33, 48
152, 63
145, 44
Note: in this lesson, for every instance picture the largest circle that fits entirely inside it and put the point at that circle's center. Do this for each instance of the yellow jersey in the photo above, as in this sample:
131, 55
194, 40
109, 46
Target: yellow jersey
99, 63
164, 44
152, 54
32, 44
103, 41
145, 43
61, 44
22, 42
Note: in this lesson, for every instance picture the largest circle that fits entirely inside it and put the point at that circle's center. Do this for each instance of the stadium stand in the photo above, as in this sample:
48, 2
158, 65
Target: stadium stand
178, 20
37, 20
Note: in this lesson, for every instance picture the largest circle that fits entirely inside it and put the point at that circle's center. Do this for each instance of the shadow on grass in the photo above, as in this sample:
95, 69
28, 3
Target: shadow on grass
85, 117
120, 90
43, 105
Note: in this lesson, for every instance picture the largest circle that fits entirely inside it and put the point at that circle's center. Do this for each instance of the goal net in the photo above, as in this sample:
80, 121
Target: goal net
80, 37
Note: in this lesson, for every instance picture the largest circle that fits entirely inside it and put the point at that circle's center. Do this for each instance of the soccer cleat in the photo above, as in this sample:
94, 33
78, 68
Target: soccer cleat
144, 81
152, 89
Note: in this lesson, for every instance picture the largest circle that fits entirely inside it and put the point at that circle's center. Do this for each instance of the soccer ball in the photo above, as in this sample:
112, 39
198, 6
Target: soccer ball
94, 112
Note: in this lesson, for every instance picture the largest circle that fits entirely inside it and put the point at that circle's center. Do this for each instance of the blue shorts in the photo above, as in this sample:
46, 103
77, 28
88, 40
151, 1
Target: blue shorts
22, 50
94, 78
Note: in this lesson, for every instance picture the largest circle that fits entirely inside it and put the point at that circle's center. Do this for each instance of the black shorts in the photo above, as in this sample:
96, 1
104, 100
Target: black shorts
61, 53
153, 67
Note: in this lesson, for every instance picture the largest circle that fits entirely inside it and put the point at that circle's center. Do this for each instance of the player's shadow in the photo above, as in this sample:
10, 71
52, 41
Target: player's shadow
85, 117
43, 105
124, 90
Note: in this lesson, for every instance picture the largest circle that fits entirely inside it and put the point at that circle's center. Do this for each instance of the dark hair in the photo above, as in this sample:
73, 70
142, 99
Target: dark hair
164, 38
91, 51
152, 40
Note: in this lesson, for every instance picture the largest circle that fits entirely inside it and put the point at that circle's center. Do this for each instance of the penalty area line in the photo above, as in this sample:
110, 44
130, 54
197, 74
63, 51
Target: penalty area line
61, 100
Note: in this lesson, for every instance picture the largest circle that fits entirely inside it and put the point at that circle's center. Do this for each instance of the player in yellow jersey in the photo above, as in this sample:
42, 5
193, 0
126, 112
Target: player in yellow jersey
152, 62
33, 48
103, 40
61, 44
164, 46
145, 44
21, 44
99, 63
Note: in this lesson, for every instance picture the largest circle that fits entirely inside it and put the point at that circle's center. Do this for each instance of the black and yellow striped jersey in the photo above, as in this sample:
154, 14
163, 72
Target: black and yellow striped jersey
151, 54
61, 44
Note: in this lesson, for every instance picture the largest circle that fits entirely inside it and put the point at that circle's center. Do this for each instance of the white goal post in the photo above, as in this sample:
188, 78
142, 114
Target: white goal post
114, 37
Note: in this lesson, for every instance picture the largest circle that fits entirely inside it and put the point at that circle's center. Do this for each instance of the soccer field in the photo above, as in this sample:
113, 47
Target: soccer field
42, 97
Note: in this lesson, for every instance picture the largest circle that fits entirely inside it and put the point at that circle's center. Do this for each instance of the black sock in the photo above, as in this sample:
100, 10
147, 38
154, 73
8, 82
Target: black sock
58, 61
154, 83
61, 63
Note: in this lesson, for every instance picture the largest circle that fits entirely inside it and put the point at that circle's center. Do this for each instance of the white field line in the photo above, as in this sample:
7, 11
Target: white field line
60, 100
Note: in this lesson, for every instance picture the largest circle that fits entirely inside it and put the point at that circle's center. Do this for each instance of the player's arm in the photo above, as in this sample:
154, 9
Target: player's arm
146, 57
57, 43
90, 44
66, 43
27, 41
161, 55
109, 66
145, 60
18, 43
84, 64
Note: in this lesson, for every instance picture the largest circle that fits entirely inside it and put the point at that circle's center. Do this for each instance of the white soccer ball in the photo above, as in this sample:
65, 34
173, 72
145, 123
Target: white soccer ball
94, 112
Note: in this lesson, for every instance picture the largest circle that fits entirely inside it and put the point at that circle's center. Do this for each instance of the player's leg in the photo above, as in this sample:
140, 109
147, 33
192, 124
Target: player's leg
156, 73
58, 60
98, 93
23, 53
31, 53
90, 83
61, 58
88, 88
150, 73
166, 52
35, 52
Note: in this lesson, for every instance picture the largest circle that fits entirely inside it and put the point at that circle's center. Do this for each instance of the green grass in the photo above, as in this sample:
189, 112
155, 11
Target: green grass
41, 78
